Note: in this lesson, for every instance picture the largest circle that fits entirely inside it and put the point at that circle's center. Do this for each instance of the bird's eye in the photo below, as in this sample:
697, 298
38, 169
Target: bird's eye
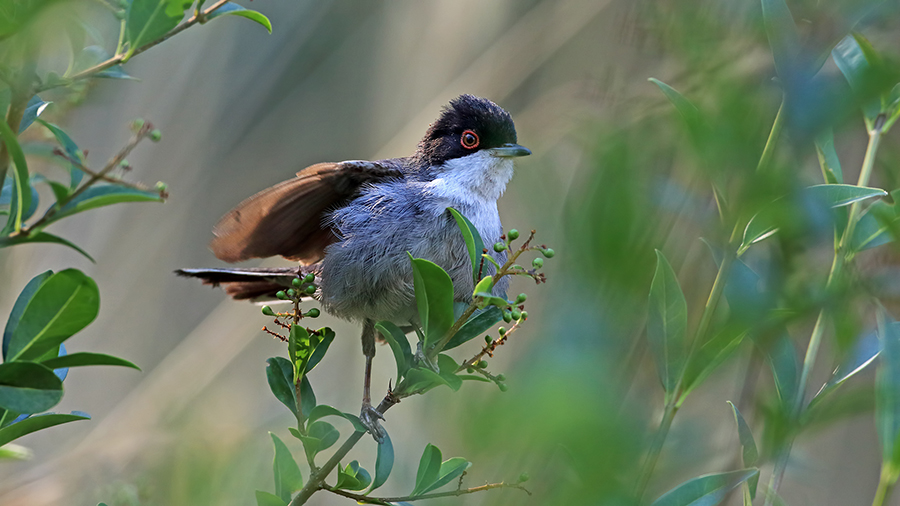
469, 139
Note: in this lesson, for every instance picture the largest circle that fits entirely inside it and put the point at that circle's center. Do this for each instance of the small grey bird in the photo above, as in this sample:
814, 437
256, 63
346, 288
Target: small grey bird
352, 223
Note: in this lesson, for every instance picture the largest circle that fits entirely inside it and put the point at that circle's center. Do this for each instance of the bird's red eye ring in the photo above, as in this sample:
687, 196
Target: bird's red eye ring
469, 139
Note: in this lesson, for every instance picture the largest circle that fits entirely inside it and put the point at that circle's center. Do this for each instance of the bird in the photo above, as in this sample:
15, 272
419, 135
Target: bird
353, 225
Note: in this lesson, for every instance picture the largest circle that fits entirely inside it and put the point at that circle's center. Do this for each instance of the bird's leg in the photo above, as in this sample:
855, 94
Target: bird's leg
368, 415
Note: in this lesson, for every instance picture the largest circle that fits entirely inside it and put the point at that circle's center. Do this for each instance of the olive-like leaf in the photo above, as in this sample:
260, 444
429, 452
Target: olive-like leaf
64, 304
783, 359
280, 374
784, 39
479, 323
69, 146
749, 453
42, 237
83, 359
474, 243
234, 9
384, 462
429, 469
685, 107
102, 195
399, 346
19, 307
828, 158
353, 477
288, 478
267, 499
21, 196
887, 389
707, 490
839, 195
666, 324
147, 20
36, 423
864, 352
434, 298
27, 387
34, 109
449, 471
326, 336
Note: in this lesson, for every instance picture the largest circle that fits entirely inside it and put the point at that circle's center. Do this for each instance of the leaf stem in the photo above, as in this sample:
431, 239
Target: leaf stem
769, 150
885, 485
121, 58
364, 499
815, 339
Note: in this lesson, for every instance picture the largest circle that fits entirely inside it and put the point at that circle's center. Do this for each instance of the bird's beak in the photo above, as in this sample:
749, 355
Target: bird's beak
510, 151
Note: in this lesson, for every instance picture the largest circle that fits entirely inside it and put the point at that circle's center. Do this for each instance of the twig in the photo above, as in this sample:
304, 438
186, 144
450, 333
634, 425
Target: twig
104, 177
112, 164
198, 17
488, 348
364, 499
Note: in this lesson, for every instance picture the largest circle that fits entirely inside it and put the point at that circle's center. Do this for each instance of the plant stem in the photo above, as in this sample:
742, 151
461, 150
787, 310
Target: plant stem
655, 449
769, 150
121, 58
885, 485
364, 499
317, 477
815, 339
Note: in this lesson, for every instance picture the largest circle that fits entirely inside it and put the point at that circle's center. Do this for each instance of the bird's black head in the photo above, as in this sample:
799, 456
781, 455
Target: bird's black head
467, 125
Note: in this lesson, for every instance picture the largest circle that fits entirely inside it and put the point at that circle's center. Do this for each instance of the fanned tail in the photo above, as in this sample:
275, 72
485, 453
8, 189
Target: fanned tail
254, 283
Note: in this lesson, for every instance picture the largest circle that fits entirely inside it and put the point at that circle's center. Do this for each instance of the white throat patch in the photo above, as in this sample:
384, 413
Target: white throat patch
474, 179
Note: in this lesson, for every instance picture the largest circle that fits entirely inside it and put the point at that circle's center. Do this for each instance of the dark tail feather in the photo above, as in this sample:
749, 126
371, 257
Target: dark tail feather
255, 283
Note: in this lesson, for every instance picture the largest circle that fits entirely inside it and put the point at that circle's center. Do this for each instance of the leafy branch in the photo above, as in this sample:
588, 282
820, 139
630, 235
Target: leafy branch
365, 499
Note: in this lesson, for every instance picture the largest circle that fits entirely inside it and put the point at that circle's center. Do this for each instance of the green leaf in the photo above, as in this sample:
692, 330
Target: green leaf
851, 60
34, 424
86, 359
783, 359
14, 452
447, 367
34, 109
27, 387
148, 20
399, 346
449, 471
420, 379
784, 40
307, 397
887, 389
384, 463
666, 324
103, 195
68, 146
326, 336
324, 410
685, 108
429, 469
319, 437
19, 307
434, 298
865, 350
267, 499
42, 237
710, 357
91, 56
478, 324
839, 195
60, 191
64, 304
762, 225
280, 373
474, 243
236, 10
300, 347
287, 473
828, 158
353, 477
879, 224
749, 454
707, 490
21, 201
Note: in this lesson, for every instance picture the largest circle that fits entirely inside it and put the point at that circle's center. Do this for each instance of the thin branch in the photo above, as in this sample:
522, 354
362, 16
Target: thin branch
103, 177
364, 499
199, 17
112, 164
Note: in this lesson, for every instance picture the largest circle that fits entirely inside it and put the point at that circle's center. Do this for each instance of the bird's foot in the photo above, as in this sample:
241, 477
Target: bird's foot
370, 417
420, 358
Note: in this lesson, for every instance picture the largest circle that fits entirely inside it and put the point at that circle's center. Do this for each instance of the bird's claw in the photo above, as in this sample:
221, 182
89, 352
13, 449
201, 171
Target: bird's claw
370, 417
422, 359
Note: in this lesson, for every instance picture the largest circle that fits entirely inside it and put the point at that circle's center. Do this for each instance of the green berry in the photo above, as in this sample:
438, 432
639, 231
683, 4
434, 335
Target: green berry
309, 278
313, 313
482, 364
291, 293
155, 135
516, 314
161, 187
502, 387
521, 298
524, 315
537, 263
524, 477
488, 339
120, 14
548, 253
266, 310
470, 370
499, 246
296, 282
501, 377
281, 295
310, 289
502, 331
507, 316
513, 235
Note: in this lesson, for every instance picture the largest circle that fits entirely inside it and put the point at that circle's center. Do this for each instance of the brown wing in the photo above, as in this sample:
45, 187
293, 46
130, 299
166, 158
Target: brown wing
286, 219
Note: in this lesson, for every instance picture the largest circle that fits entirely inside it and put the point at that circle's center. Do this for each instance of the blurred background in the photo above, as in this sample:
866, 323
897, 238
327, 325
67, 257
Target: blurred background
614, 175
